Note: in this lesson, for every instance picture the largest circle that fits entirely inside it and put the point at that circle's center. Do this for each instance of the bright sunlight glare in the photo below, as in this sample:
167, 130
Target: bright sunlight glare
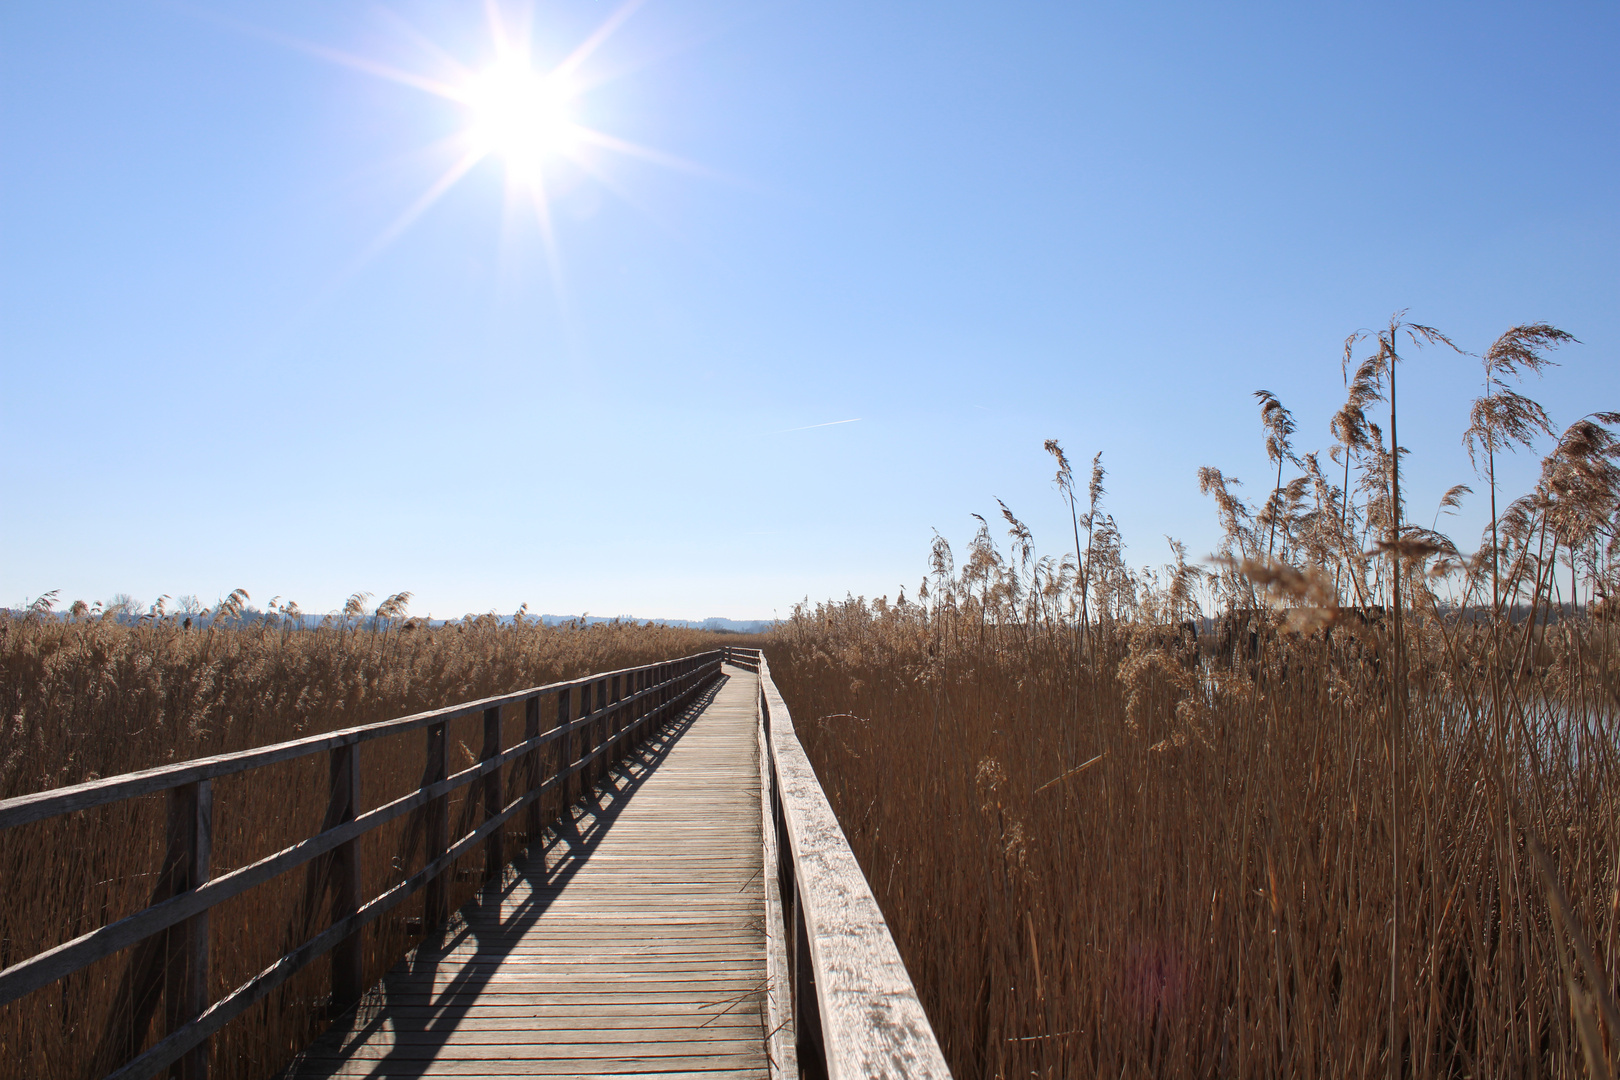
520, 115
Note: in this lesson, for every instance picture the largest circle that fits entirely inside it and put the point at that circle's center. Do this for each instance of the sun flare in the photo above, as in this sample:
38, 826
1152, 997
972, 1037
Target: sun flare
521, 116
513, 111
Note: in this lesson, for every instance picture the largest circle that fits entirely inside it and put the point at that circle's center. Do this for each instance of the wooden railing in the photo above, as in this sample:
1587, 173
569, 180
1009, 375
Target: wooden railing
849, 1002
170, 935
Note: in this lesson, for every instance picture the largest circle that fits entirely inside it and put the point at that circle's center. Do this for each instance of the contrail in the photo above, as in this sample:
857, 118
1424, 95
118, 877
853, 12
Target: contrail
807, 427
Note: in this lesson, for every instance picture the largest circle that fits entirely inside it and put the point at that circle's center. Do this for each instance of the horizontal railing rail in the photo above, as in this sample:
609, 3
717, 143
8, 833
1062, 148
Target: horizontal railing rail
629, 703
854, 1010
93, 793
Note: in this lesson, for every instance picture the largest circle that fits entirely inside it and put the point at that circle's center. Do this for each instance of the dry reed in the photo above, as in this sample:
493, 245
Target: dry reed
1343, 805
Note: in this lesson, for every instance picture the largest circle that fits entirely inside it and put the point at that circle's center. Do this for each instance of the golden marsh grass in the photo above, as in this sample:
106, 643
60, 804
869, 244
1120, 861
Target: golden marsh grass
1341, 803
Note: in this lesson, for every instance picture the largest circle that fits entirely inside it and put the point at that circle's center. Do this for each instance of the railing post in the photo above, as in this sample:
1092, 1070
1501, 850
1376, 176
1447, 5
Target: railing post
587, 734
531, 729
565, 749
587, 737
494, 843
649, 704
639, 711
191, 838
434, 910
348, 958
632, 712
615, 724
599, 729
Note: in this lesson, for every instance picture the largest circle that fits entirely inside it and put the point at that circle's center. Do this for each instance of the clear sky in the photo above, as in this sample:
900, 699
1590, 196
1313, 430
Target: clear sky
230, 355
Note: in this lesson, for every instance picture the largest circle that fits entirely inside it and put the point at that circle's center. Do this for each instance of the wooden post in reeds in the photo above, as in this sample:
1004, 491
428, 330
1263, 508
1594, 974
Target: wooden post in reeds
1396, 719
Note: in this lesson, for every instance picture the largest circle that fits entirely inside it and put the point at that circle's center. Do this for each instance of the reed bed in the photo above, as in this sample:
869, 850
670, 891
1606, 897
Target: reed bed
91, 696
1341, 803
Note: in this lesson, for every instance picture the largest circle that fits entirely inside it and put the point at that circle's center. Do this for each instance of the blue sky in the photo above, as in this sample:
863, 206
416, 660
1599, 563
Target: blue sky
971, 226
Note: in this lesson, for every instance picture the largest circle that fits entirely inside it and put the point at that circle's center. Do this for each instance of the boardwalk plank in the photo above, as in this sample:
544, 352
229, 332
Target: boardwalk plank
643, 1068
635, 947
724, 1039
580, 1056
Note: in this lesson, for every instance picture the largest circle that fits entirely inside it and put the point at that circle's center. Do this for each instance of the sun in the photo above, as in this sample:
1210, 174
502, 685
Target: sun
521, 116
513, 111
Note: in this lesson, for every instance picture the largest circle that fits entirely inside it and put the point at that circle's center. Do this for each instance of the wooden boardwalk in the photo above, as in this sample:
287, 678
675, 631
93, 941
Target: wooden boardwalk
635, 947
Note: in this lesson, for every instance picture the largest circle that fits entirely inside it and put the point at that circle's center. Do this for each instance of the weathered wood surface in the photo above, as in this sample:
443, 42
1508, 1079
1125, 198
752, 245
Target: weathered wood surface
635, 946
871, 1023
781, 1034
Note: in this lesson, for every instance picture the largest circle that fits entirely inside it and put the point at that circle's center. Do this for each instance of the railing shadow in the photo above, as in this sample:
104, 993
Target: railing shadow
423, 1022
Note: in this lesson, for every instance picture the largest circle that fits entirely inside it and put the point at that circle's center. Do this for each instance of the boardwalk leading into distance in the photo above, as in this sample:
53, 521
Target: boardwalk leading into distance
637, 948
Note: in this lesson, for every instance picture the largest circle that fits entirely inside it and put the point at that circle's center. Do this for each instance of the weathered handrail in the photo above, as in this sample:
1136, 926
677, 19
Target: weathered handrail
854, 1010
629, 702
